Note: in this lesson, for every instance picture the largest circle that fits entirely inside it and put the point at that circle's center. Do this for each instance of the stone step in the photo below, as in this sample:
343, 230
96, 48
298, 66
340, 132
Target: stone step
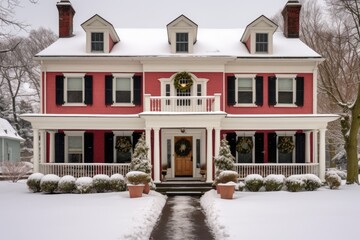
183, 187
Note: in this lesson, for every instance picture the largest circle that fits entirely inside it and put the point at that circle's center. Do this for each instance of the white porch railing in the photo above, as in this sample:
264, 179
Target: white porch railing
273, 168
84, 169
182, 104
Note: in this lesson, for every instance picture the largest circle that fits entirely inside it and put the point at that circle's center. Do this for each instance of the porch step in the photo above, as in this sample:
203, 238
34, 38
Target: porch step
182, 187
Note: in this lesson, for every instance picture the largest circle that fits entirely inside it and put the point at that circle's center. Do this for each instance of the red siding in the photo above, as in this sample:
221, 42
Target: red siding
111, 44
248, 43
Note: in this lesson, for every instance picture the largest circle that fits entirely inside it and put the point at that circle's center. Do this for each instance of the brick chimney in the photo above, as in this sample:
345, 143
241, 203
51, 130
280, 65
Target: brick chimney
291, 14
66, 15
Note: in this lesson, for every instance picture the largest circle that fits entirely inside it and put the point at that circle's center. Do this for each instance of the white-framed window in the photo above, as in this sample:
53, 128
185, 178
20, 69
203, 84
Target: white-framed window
246, 137
74, 85
97, 42
182, 42
123, 89
245, 93
285, 90
285, 157
261, 42
123, 137
74, 147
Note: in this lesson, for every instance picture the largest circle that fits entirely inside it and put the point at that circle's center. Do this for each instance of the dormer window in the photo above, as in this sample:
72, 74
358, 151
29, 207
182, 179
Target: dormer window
262, 42
182, 42
97, 42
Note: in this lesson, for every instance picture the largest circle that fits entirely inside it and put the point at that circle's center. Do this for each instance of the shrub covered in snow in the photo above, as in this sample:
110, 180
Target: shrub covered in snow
137, 177
67, 184
332, 179
84, 184
240, 186
101, 183
295, 183
341, 173
117, 183
312, 182
254, 182
228, 176
49, 183
274, 182
33, 182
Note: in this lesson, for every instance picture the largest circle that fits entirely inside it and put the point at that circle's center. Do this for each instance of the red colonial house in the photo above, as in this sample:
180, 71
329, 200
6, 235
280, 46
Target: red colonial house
184, 87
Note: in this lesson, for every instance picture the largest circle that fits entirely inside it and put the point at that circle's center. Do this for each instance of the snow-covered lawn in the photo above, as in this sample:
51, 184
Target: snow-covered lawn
322, 214
26, 215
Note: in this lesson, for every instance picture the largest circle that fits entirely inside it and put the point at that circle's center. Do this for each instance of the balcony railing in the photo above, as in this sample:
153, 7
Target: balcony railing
84, 169
182, 104
272, 168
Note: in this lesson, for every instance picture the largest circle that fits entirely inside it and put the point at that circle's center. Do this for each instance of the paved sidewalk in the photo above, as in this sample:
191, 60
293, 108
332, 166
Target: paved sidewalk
182, 218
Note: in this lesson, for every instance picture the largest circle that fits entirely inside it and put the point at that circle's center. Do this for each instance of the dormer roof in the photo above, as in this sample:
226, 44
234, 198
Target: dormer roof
259, 24
97, 22
180, 23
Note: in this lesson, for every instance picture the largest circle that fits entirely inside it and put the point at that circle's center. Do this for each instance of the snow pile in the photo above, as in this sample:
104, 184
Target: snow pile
117, 176
84, 184
251, 177
67, 179
278, 178
36, 176
340, 173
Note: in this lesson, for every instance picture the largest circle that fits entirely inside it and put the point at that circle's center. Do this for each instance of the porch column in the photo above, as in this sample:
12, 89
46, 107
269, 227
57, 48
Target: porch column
42, 145
307, 147
322, 155
315, 146
209, 157
36, 149
217, 141
156, 155
52, 146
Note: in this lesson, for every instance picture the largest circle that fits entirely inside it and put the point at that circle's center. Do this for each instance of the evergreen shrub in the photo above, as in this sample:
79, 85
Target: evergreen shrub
49, 183
333, 180
84, 184
33, 182
117, 183
67, 184
101, 183
274, 182
295, 183
254, 182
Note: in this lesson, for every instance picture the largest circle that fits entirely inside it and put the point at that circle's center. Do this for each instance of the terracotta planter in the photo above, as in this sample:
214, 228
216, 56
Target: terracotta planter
146, 188
226, 190
217, 189
135, 191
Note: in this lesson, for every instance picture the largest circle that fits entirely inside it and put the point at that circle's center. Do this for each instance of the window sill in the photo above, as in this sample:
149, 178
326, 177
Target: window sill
74, 105
291, 105
123, 105
246, 105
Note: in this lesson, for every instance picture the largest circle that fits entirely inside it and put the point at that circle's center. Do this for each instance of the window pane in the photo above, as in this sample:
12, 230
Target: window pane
74, 97
75, 143
123, 157
168, 155
123, 84
123, 96
285, 157
74, 83
285, 97
245, 84
285, 84
198, 153
245, 158
182, 42
245, 97
97, 41
261, 42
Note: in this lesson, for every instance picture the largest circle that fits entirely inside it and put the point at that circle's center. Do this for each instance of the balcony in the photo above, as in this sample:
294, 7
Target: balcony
201, 104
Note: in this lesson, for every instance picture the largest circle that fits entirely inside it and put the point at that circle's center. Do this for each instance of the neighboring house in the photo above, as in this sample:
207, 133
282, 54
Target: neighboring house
186, 88
9, 142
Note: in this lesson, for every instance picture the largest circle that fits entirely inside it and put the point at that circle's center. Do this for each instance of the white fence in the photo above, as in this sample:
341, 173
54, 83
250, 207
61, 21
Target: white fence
273, 168
84, 169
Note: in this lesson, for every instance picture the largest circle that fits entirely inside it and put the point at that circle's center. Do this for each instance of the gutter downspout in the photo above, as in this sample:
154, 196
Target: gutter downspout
315, 76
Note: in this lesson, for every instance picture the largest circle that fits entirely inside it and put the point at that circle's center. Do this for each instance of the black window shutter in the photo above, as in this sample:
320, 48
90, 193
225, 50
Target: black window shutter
231, 90
259, 86
300, 147
272, 148
88, 90
299, 91
259, 147
59, 147
89, 147
137, 90
231, 138
109, 147
59, 82
108, 90
272, 91
135, 137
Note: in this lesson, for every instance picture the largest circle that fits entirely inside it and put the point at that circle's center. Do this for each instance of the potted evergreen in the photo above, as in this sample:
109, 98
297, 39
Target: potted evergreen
135, 183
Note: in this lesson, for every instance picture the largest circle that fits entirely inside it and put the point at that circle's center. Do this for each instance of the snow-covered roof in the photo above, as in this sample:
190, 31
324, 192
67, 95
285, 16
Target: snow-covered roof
154, 43
7, 131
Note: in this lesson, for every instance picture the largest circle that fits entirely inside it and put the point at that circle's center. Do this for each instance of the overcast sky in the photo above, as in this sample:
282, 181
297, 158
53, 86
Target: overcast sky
152, 13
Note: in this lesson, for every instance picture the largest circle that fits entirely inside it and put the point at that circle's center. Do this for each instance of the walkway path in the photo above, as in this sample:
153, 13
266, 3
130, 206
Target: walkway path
182, 218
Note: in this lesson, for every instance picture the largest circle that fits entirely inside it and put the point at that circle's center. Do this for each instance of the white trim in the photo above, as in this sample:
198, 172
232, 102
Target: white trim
130, 77
252, 76
73, 134
285, 76
315, 76
74, 75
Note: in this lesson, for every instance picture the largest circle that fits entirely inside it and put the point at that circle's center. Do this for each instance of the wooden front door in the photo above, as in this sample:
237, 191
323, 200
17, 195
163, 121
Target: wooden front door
183, 157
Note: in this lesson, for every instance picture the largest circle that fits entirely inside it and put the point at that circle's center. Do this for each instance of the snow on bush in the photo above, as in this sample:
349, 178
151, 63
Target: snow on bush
228, 176
67, 184
101, 183
84, 184
341, 173
295, 183
117, 183
33, 182
49, 183
253, 182
332, 179
312, 182
225, 160
240, 186
274, 182
140, 160
137, 177
15, 170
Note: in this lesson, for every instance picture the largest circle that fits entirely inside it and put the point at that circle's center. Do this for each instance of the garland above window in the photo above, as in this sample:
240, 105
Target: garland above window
123, 144
244, 145
183, 81
182, 147
286, 144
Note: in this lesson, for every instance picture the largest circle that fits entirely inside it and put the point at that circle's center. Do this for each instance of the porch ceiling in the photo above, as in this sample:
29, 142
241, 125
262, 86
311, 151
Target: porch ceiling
277, 122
